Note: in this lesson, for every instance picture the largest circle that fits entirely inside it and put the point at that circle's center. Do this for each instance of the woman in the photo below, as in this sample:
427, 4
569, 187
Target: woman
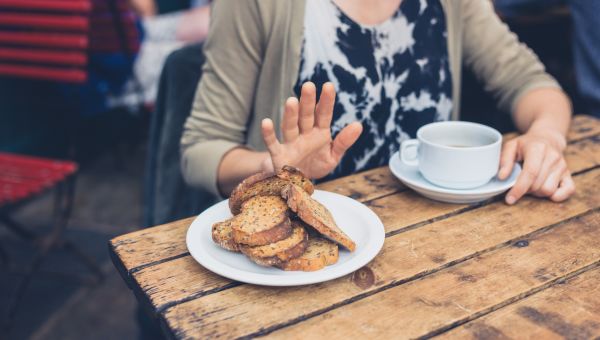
395, 65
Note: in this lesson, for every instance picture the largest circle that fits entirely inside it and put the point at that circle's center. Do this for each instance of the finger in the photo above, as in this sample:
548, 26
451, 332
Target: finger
507, 159
533, 162
550, 185
550, 164
269, 137
289, 124
325, 106
308, 99
344, 140
565, 189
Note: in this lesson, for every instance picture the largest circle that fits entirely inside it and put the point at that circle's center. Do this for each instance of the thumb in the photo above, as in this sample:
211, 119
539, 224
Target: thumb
345, 139
507, 159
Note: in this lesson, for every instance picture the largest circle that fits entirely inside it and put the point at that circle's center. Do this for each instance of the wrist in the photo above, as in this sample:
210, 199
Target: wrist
553, 135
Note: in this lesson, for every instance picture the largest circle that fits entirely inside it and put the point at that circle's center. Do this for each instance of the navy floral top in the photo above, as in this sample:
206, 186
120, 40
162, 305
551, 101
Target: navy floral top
393, 77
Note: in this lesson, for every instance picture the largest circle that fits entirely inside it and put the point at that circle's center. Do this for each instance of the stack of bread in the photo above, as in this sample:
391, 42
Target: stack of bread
277, 223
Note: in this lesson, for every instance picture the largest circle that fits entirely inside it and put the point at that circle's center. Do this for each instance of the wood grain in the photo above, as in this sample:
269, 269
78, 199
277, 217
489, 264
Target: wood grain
416, 211
150, 245
583, 126
405, 256
565, 311
365, 186
464, 291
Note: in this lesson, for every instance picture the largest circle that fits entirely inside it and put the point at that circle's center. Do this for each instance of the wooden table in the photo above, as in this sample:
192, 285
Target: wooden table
486, 270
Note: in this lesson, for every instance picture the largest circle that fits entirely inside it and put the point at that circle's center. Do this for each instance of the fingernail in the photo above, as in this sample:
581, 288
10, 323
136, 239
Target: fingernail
510, 200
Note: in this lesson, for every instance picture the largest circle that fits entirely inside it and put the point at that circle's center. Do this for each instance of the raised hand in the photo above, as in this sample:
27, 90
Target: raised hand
306, 130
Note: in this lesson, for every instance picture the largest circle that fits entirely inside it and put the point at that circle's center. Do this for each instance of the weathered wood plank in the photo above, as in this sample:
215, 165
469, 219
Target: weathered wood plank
564, 311
146, 246
467, 290
583, 126
583, 154
366, 185
405, 256
150, 245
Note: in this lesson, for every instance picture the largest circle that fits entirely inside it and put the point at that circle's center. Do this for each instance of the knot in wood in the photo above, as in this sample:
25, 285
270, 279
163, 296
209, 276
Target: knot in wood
363, 278
522, 244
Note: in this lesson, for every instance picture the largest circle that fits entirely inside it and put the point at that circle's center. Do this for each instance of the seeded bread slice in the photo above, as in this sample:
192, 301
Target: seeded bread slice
319, 253
285, 249
267, 184
316, 215
222, 235
280, 258
263, 220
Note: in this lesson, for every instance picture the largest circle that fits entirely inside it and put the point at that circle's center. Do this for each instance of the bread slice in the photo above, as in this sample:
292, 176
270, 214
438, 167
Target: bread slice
316, 215
278, 259
319, 253
222, 235
267, 184
285, 249
262, 220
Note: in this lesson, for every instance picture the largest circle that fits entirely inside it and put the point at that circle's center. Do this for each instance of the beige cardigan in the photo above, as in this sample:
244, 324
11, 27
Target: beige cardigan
253, 58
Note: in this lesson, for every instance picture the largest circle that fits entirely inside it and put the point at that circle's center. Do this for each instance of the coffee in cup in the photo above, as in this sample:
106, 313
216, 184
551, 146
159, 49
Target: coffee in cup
455, 155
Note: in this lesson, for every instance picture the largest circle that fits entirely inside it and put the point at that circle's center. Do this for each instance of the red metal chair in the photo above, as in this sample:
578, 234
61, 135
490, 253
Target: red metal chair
22, 178
51, 41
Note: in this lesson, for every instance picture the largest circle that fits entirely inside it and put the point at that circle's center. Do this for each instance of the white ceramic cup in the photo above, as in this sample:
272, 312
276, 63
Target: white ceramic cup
455, 155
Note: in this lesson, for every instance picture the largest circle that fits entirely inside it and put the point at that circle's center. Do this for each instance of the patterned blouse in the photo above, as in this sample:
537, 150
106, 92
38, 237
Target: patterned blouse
393, 77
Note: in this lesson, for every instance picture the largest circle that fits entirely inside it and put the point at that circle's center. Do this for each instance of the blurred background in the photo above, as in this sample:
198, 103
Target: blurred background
88, 86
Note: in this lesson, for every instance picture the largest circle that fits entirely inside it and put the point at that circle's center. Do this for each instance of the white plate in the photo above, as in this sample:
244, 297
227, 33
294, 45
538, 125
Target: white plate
412, 178
353, 217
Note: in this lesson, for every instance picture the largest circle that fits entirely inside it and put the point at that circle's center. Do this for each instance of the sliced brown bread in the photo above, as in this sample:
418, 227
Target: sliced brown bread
262, 220
280, 258
319, 253
222, 235
285, 249
316, 215
267, 184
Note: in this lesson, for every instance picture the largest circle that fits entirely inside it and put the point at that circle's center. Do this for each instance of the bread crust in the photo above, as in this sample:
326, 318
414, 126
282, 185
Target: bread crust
280, 258
316, 215
222, 235
277, 233
284, 249
267, 184
319, 253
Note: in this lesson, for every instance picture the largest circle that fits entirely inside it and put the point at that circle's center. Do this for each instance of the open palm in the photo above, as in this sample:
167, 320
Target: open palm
306, 131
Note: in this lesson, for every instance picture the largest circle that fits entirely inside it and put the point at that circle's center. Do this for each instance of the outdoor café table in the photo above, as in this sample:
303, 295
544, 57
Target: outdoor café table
485, 270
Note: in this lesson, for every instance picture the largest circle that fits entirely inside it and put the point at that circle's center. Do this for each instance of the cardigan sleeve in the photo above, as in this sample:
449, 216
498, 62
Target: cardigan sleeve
224, 97
508, 68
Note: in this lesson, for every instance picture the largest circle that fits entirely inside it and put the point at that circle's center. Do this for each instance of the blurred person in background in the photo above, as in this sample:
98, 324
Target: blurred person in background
167, 26
585, 42
382, 69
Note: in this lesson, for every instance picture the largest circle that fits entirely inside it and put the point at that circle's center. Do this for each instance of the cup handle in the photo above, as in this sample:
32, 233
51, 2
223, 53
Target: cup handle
411, 143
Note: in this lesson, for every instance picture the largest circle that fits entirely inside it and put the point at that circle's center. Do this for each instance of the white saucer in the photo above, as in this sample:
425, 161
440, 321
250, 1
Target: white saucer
412, 178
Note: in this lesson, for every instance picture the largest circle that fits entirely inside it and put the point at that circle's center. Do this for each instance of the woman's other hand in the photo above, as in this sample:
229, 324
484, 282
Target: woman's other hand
545, 172
306, 130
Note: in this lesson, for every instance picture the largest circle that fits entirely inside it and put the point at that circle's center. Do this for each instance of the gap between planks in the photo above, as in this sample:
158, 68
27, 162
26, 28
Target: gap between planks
511, 301
569, 309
